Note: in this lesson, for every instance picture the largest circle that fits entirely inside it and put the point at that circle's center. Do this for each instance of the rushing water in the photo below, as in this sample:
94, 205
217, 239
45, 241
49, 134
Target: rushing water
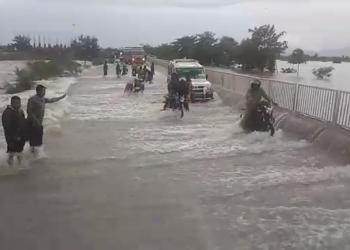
123, 175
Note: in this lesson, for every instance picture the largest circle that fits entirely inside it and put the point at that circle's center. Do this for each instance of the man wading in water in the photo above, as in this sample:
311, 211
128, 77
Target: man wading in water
36, 113
14, 124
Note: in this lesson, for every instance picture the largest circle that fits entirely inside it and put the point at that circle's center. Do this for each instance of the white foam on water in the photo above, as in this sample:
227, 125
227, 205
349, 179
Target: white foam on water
55, 88
7, 70
53, 113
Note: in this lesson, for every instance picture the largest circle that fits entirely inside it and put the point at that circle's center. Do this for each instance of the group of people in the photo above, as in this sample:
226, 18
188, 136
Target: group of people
119, 69
143, 75
18, 129
143, 72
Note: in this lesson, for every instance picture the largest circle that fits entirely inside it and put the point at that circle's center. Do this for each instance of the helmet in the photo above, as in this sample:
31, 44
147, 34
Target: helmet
182, 79
255, 83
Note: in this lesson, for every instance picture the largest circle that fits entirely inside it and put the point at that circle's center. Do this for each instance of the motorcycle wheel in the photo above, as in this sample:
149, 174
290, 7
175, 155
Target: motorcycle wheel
272, 129
181, 110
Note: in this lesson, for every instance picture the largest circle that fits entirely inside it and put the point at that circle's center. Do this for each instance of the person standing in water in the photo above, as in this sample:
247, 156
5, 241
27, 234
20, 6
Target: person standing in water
105, 68
14, 124
36, 113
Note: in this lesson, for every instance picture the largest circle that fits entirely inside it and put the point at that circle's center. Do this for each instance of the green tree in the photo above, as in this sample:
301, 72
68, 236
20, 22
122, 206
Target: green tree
297, 57
226, 50
268, 44
204, 50
323, 72
246, 55
86, 47
260, 51
185, 46
21, 43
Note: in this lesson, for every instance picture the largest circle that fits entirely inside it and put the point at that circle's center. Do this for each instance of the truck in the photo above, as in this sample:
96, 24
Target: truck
133, 55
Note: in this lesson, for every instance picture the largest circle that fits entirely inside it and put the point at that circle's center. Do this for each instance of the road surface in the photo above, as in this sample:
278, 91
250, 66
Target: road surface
123, 175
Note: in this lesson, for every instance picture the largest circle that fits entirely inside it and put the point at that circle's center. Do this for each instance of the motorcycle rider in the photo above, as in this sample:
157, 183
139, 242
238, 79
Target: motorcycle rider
172, 89
182, 90
253, 99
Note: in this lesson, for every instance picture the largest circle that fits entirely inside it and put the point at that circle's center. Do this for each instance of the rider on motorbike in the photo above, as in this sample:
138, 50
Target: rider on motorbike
253, 99
172, 89
182, 90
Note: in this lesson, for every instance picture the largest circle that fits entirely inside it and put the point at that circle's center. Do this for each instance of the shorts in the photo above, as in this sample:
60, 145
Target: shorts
35, 134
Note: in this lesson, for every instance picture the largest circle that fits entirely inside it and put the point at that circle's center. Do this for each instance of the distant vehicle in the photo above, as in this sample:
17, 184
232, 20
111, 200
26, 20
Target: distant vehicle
134, 55
201, 87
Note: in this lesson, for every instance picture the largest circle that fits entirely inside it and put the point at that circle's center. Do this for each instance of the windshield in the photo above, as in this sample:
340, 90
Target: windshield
194, 73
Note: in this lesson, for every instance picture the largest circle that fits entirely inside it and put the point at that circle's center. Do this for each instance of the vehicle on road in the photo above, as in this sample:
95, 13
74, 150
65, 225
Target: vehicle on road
134, 55
262, 119
201, 88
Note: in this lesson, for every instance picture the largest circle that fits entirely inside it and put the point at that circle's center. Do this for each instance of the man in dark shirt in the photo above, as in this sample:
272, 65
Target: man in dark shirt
36, 113
14, 124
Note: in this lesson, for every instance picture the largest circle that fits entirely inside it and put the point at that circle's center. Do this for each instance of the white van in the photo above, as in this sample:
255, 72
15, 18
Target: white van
201, 87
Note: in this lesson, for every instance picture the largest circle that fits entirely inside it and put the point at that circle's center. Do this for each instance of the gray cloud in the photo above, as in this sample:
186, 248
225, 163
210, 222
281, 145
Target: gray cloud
310, 24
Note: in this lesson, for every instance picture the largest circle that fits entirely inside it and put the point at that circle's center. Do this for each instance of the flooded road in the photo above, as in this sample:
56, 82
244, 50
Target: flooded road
120, 174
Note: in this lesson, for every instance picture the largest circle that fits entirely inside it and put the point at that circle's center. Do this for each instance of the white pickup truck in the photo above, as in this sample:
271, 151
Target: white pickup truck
201, 87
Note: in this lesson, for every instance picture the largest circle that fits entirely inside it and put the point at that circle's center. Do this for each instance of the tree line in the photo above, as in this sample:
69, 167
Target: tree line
84, 47
259, 51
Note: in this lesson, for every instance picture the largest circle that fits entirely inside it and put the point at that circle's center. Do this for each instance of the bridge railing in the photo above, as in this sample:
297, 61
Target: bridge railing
319, 103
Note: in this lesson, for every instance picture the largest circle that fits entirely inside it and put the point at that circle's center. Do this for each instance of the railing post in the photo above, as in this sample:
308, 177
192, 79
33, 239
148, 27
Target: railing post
295, 97
269, 89
222, 79
233, 81
336, 107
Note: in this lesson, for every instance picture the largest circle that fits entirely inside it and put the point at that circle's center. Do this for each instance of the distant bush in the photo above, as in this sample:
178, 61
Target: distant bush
41, 70
98, 61
323, 72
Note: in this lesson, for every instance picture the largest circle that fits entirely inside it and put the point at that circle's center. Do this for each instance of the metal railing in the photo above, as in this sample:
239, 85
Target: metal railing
320, 103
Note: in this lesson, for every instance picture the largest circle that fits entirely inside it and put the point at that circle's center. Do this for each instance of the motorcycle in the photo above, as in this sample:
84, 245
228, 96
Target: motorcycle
176, 103
138, 86
262, 119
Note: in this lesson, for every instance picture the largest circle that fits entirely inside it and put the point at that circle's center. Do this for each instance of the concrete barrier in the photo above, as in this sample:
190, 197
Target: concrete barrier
326, 136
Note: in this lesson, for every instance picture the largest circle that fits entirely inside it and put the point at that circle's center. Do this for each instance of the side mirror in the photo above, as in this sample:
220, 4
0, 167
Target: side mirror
206, 76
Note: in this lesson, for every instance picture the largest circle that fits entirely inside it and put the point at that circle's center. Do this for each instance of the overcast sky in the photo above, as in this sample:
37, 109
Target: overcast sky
310, 24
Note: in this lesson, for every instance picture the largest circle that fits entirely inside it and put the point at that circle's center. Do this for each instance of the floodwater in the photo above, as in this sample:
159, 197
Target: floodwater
120, 174
338, 80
